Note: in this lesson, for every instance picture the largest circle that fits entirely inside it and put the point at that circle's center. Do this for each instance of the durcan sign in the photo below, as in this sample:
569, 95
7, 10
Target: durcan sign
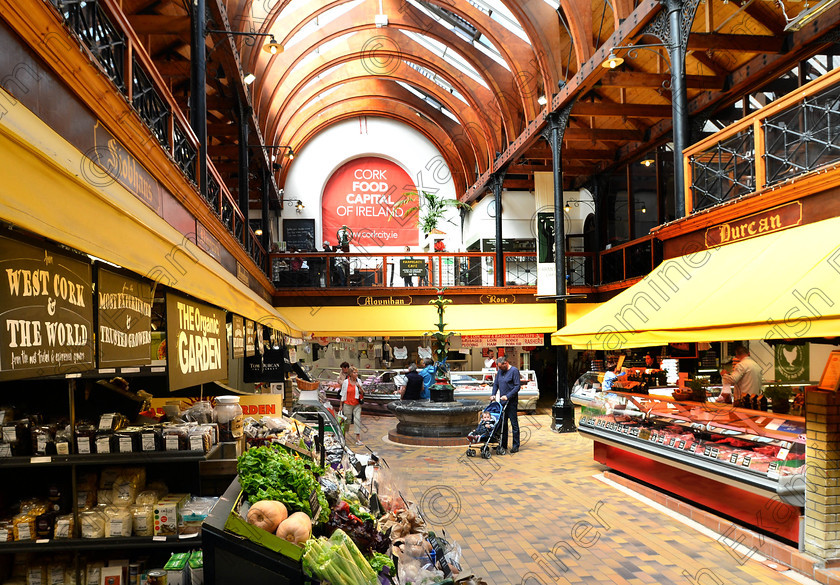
197, 346
371, 196
46, 312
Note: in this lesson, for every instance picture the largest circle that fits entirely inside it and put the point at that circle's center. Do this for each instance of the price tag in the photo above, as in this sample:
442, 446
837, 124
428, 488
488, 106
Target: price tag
672, 441
103, 445
773, 470
23, 531
4, 535
307, 431
84, 446
171, 442
714, 453
364, 493
746, 461
197, 443
45, 459
707, 451
5, 451
314, 504
116, 527
783, 453
661, 439
9, 434
125, 444
733, 459
653, 437
681, 445
159, 538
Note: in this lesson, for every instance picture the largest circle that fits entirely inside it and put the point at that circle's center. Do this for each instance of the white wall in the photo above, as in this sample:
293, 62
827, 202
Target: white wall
367, 136
518, 215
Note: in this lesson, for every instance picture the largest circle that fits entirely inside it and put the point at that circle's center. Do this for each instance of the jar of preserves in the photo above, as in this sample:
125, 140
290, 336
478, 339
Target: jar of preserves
229, 418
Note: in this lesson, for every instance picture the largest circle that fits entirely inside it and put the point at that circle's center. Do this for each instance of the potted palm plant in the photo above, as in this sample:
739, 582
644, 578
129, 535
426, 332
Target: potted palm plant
429, 208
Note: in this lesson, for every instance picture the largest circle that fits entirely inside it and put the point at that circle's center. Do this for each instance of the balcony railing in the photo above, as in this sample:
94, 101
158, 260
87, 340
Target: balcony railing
104, 30
460, 270
791, 137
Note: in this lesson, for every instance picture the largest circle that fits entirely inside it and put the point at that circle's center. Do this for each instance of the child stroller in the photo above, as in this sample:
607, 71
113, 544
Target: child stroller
488, 432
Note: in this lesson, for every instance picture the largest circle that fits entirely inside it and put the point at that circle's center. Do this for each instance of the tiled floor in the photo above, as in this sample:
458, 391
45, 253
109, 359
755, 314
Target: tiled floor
547, 515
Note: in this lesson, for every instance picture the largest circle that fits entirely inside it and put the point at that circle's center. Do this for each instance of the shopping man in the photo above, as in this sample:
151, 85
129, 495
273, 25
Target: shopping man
506, 385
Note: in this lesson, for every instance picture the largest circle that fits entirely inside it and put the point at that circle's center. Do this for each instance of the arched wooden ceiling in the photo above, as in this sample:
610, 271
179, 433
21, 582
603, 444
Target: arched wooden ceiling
345, 67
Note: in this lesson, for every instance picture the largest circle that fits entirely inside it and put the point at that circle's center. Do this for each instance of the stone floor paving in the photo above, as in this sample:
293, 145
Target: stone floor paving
546, 515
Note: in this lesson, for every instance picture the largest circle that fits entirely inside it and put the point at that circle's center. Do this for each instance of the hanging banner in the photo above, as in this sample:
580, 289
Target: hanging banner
238, 336
197, 347
125, 320
249, 338
371, 196
503, 340
46, 312
546, 268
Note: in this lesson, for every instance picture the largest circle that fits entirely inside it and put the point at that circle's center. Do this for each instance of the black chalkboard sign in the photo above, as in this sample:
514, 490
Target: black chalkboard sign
299, 234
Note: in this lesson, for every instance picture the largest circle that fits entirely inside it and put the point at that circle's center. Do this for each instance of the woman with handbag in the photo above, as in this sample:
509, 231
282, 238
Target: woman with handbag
351, 401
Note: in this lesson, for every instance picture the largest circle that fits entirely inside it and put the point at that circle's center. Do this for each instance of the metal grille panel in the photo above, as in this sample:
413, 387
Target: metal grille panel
724, 172
149, 104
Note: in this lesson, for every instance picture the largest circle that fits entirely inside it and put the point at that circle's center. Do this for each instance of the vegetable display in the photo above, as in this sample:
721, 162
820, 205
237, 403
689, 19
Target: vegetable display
266, 473
267, 515
338, 561
362, 532
297, 528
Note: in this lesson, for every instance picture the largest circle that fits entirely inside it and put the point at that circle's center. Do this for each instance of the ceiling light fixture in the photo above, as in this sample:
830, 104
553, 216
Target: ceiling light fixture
271, 46
258, 232
614, 60
249, 79
542, 100
648, 161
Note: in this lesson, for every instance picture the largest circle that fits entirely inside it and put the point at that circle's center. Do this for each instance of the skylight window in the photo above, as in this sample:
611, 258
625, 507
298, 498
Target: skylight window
447, 54
499, 12
319, 21
437, 79
429, 100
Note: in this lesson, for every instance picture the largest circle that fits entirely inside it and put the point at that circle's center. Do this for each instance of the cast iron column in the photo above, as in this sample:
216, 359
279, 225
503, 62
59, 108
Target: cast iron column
563, 411
198, 90
496, 182
672, 26
266, 189
679, 101
244, 186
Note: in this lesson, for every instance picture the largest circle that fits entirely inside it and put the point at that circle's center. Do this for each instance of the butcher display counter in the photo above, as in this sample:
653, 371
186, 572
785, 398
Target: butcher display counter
745, 464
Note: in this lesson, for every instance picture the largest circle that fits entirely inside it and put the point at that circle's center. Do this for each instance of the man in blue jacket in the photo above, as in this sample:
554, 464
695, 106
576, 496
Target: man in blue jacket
428, 373
507, 386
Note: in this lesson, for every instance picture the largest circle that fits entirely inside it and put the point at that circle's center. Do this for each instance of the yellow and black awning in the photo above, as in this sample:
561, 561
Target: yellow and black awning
784, 285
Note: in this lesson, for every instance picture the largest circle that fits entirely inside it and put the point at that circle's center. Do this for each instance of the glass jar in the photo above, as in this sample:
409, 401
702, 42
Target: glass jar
229, 417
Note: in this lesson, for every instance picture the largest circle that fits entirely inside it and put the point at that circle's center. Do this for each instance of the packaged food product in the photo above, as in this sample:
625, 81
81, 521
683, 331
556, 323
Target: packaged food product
151, 438
63, 440
229, 418
103, 442
143, 520
64, 526
43, 440
128, 440
18, 436
94, 573
7, 532
147, 498
24, 526
112, 421
196, 564
176, 438
177, 569
36, 574
6, 413
201, 412
118, 521
125, 489
85, 438
200, 439
86, 491
93, 523
105, 497
193, 514
168, 513
213, 428
45, 524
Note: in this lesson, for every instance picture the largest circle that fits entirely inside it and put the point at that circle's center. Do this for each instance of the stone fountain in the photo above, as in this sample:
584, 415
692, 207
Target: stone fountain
442, 420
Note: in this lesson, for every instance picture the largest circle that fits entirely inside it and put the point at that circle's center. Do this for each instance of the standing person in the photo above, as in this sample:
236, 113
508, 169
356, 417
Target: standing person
413, 388
428, 373
345, 370
746, 375
506, 385
609, 378
407, 279
351, 402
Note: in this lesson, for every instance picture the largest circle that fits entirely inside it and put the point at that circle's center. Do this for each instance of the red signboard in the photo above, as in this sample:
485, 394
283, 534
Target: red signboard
371, 196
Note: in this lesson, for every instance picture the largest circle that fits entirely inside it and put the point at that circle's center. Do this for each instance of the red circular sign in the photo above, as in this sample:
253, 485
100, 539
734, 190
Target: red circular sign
372, 197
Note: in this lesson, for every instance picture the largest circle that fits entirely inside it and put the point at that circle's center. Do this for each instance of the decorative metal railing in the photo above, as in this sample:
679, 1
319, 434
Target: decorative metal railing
105, 31
783, 141
148, 103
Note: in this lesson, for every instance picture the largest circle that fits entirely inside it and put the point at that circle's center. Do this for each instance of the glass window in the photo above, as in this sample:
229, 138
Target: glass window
643, 194
618, 227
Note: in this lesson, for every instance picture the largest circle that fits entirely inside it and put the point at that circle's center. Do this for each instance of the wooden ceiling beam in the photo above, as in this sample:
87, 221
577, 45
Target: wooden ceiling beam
159, 24
601, 134
615, 110
743, 43
705, 60
657, 80
222, 129
173, 68
544, 153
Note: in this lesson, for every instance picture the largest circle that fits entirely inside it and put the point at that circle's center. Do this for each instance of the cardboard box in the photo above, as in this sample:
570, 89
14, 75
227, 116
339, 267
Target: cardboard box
196, 564
177, 569
168, 514
237, 524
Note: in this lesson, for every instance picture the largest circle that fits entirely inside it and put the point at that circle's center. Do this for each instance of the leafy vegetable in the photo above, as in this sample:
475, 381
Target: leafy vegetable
266, 473
363, 532
360, 514
378, 561
338, 561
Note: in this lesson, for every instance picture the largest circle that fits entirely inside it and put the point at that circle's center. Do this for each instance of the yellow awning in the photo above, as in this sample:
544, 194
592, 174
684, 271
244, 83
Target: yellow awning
415, 320
784, 285
44, 190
